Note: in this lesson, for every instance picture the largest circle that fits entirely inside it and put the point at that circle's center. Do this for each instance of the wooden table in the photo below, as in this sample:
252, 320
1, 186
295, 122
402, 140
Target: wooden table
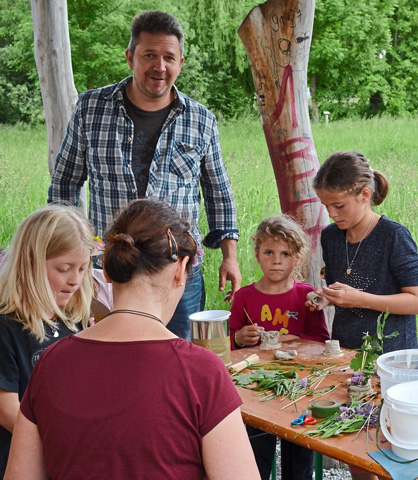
270, 417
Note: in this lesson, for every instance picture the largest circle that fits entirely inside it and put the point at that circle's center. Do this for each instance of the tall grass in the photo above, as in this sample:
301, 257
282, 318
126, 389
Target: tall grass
390, 144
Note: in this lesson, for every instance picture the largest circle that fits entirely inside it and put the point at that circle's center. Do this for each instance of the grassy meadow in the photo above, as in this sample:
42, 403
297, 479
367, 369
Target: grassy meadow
390, 145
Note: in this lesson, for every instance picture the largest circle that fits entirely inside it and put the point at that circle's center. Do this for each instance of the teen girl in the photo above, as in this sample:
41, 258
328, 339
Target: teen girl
45, 292
277, 302
371, 262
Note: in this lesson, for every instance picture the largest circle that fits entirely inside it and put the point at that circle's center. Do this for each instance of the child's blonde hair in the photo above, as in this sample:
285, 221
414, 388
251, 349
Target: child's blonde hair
49, 232
285, 229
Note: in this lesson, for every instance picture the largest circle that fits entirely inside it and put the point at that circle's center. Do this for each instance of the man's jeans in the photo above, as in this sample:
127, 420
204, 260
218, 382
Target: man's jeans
192, 301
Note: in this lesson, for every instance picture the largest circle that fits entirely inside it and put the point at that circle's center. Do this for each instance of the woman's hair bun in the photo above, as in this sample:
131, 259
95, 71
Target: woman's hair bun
121, 257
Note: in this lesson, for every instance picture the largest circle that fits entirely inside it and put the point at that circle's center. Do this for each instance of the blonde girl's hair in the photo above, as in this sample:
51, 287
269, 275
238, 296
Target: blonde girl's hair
49, 232
288, 230
350, 171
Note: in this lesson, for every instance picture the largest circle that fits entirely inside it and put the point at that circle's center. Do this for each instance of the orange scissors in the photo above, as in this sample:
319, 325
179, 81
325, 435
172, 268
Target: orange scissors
304, 419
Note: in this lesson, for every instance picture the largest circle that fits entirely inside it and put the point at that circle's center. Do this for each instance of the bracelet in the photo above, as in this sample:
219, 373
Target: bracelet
240, 345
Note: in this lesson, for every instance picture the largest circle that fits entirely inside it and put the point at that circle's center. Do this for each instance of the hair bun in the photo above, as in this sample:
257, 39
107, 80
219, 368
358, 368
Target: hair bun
122, 238
121, 257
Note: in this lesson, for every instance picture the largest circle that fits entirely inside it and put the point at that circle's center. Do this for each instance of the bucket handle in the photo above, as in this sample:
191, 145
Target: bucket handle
383, 426
386, 372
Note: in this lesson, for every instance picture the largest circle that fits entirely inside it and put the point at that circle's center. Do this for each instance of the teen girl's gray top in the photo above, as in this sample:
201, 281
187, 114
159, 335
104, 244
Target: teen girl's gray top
386, 261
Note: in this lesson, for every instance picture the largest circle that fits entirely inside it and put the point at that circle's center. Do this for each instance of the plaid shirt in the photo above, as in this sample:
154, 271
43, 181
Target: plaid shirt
98, 145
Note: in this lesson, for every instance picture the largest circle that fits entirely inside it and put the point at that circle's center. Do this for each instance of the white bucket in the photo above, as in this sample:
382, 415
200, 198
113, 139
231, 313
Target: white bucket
397, 367
399, 413
210, 329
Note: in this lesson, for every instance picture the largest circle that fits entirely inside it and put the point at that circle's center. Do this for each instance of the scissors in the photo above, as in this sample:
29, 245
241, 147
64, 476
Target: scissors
304, 419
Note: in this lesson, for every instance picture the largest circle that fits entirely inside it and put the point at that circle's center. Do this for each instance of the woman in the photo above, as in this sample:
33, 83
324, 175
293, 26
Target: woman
127, 398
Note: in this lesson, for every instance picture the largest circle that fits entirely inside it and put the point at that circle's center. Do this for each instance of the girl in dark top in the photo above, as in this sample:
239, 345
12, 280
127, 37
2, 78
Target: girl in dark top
371, 262
45, 291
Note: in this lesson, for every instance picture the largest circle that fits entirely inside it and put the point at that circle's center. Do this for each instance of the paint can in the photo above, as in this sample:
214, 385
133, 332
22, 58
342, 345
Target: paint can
396, 367
210, 329
399, 419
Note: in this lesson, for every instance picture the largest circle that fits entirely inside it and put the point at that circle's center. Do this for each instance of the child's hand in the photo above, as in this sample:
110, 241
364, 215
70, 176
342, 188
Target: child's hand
249, 335
316, 300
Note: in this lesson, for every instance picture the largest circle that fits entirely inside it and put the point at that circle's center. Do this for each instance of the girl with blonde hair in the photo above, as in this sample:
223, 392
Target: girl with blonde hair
45, 294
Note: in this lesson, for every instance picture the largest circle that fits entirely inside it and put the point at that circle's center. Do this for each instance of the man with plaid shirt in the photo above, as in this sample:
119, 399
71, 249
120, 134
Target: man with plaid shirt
142, 137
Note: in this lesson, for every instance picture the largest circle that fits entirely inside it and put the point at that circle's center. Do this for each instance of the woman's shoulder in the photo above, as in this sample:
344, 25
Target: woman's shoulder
194, 356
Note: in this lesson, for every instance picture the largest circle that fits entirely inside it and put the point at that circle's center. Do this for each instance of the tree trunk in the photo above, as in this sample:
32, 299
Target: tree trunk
277, 36
53, 62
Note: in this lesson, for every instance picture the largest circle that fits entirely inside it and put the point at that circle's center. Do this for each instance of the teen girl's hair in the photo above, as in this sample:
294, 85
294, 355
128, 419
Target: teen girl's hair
146, 237
287, 230
25, 292
350, 171
155, 21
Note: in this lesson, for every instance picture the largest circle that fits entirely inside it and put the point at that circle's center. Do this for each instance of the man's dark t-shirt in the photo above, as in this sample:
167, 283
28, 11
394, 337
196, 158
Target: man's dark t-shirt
147, 129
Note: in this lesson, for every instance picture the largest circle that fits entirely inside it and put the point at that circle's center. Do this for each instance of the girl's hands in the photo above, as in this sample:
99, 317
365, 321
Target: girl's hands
342, 295
249, 335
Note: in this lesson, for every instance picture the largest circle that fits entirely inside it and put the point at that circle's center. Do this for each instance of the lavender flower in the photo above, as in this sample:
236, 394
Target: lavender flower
304, 382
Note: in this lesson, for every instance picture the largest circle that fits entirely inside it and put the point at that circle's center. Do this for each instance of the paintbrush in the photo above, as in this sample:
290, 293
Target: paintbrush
246, 313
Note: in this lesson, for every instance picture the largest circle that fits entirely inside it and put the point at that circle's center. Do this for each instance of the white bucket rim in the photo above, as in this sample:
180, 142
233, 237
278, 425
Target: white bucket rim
392, 397
210, 316
389, 373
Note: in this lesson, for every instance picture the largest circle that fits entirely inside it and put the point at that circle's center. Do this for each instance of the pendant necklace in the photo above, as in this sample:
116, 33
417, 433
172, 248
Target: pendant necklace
350, 264
55, 332
135, 312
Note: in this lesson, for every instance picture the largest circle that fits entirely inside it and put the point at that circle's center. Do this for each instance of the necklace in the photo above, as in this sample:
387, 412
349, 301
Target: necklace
350, 264
135, 312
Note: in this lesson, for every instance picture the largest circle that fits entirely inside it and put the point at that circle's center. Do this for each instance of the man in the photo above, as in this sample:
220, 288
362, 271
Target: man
144, 138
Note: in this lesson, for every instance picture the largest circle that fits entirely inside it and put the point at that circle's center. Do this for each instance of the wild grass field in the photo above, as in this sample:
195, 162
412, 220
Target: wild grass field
390, 144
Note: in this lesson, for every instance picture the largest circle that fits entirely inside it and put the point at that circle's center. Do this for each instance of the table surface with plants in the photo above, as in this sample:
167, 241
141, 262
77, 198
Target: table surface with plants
275, 392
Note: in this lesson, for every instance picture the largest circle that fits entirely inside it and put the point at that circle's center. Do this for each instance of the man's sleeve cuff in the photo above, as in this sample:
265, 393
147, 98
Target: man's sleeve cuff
214, 238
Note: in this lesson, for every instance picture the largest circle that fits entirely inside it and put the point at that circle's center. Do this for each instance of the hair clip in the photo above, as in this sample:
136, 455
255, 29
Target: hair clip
172, 245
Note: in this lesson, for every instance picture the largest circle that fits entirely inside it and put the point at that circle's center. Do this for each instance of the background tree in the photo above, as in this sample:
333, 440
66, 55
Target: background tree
401, 56
346, 67
349, 73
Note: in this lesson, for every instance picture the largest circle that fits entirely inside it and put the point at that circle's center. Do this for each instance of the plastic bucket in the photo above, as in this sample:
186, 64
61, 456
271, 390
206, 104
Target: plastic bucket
397, 367
210, 329
399, 414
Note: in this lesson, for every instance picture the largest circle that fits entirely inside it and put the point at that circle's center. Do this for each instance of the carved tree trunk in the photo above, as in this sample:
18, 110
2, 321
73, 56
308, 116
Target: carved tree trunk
53, 62
277, 37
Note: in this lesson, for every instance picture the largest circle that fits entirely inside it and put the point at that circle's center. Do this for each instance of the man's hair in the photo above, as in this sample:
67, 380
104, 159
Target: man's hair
155, 21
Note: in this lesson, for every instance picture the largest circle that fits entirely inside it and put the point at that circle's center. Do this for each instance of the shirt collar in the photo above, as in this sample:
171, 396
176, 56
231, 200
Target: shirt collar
117, 93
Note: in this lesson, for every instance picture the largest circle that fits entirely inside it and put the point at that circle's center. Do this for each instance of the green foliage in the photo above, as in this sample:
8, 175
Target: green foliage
364, 360
345, 60
362, 59
20, 98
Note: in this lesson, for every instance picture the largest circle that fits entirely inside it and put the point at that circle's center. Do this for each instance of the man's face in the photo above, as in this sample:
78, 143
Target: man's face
155, 64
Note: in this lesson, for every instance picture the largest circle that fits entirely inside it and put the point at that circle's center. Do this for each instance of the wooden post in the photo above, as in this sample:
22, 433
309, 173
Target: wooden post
277, 36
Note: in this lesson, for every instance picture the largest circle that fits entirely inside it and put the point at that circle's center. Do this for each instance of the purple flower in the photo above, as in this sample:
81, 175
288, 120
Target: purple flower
304, 382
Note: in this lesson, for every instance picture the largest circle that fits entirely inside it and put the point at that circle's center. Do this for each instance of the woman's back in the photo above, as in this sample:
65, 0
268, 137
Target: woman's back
127, 409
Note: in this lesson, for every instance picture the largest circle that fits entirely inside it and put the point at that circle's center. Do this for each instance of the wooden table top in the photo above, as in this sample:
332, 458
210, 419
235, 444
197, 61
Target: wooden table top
270, 417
